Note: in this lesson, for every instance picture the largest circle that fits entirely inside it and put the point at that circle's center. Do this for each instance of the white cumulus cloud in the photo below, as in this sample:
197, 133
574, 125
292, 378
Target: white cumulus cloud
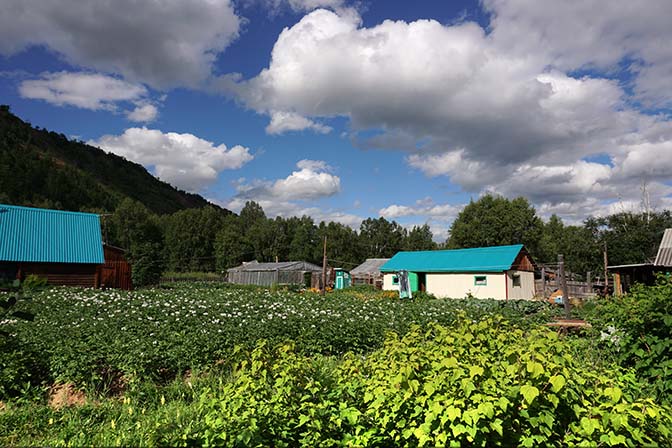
184, 160
92, 91
311, 181
143, 113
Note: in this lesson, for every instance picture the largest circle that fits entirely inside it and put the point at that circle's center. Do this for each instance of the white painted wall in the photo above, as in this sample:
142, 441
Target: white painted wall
387, 283
526, 288
457, 286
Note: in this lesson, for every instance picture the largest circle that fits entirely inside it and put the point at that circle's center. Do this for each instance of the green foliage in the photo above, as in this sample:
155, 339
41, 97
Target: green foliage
636, 329
33, 282
189, 238
381, 238
312, 371
135, 228
419, 238
488, 383
95, 338
630, 237
495, 221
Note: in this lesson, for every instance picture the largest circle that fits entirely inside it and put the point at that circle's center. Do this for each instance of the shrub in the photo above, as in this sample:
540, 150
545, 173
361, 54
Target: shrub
480, 384
636, 329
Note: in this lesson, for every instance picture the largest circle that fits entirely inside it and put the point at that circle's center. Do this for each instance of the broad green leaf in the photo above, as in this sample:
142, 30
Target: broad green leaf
535, 368
450, 362
475, 370
529, 392
557, 382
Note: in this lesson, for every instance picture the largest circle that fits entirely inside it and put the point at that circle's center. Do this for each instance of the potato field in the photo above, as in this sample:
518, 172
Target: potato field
214, 364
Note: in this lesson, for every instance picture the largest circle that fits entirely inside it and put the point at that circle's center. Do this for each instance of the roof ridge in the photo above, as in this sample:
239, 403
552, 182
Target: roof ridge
46, 210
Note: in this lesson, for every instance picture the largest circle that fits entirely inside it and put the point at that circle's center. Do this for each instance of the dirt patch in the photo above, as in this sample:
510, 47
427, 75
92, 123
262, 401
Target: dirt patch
64, 395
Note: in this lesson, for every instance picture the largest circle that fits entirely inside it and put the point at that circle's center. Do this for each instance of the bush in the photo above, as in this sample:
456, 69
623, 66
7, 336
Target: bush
479, 384
636, 329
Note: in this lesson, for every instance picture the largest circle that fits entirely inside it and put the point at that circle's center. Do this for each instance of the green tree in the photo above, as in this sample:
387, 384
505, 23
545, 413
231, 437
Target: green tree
496, 221
380, 238
419, 238
342, 248
136, 229
231, 246
303, 239
630, 237
190, 238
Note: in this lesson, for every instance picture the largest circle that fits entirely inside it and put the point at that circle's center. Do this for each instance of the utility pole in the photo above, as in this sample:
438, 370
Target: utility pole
324, 267
563, 282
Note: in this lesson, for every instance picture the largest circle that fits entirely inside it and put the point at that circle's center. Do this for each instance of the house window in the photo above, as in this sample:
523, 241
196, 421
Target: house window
395, 280
515, 278
480, 280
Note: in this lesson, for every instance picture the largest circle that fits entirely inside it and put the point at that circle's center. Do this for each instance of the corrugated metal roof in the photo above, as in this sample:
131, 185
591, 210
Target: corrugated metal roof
479, 259
370, 266
281, 266
664, 256
49, 236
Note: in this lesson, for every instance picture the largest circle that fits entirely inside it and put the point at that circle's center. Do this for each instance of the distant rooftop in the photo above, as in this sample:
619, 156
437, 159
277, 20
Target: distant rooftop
370, 266
281, 266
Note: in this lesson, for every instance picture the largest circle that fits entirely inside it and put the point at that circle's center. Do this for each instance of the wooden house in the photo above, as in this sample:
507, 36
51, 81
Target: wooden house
64, 247
499, 272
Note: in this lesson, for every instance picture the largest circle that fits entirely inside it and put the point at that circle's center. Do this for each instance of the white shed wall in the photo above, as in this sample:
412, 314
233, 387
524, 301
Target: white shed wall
387, 283
457, 286
526, 288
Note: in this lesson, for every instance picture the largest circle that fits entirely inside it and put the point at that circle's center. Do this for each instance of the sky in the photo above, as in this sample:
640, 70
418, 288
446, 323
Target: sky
346, 110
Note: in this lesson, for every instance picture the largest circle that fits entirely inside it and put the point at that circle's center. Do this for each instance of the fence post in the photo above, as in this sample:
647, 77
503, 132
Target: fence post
563, 280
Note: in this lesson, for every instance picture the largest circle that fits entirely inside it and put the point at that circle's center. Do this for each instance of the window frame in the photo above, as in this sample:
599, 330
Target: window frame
480, 280
515, 278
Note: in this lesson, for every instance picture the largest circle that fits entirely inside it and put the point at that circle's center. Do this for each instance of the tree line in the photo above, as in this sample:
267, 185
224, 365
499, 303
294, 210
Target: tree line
212, 239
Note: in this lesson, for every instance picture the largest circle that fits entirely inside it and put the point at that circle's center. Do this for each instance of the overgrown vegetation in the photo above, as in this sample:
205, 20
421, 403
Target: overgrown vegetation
195, 364
635, 329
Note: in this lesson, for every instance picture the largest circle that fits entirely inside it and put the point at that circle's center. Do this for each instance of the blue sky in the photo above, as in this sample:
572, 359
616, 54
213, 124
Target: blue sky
345, 110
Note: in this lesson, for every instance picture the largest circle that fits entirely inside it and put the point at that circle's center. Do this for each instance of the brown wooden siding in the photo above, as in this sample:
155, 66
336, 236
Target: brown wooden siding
523, 262
116, 272
63, 274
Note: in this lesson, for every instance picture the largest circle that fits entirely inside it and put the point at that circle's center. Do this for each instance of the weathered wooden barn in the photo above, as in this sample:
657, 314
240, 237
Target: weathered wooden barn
267, 274
368, 273
64, 247
499, 272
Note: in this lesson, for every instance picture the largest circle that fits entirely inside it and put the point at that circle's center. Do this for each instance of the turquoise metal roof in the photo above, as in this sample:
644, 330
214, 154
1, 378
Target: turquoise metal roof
479, 259
51, 236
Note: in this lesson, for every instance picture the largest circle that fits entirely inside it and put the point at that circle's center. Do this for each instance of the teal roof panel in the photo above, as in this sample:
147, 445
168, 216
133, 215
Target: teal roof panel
478, 259
49, 236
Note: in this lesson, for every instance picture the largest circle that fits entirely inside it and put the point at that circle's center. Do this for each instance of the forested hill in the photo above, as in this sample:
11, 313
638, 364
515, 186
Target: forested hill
45, 169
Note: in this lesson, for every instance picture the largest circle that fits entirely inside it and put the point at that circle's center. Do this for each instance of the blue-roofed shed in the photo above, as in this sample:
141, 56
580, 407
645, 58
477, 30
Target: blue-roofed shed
65, 247
499, 272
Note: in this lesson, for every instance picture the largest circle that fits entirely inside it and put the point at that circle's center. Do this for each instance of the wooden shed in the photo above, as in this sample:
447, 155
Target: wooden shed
64, 247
